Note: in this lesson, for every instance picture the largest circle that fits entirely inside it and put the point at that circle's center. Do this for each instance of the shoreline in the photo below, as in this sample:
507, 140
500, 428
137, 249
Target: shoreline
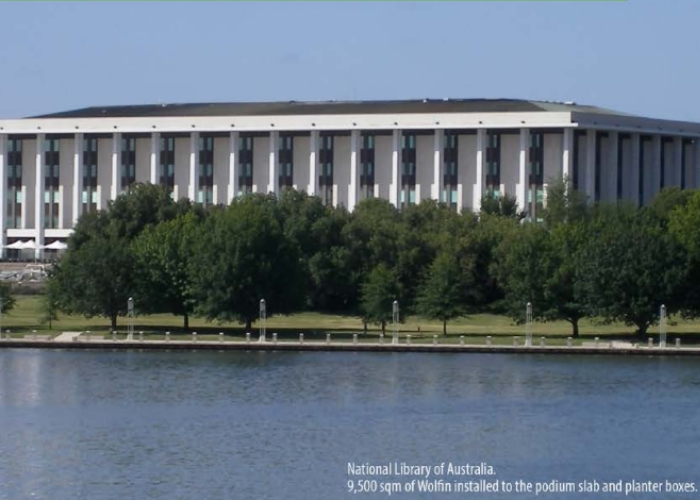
316, 346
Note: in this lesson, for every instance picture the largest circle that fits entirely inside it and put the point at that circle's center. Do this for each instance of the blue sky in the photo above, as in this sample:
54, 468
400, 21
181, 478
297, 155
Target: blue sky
639, 56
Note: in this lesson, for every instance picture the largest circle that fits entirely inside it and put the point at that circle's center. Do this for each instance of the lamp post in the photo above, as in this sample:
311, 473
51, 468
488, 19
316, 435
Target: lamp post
395, 323
662, 327
528, 325
130, 312
263, 320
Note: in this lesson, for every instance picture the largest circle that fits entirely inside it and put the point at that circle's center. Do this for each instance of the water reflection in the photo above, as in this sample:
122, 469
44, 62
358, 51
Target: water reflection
163, 425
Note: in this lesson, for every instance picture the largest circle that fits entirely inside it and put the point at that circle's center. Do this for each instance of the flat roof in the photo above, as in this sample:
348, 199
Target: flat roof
289, 108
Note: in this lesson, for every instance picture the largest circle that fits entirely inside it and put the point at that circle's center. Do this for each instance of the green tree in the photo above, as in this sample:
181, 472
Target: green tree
538, 265
163, 255
7, 299
49, 305
95, 279
441, 296
504, 205
242, 256
564, 204
379, 291
629, 267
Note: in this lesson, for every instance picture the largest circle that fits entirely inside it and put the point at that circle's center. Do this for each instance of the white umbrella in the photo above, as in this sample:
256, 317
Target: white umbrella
56, 245
29, 245
17, 245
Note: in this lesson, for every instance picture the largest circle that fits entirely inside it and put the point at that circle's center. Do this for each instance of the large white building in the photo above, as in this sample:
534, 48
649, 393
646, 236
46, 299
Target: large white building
56, 167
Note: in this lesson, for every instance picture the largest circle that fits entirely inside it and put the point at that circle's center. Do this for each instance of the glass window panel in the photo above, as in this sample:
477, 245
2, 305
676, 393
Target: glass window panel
84, 197
18, 196
94, 196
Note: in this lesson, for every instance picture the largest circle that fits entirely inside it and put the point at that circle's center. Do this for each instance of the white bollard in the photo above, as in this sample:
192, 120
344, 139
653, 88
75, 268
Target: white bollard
434, 339
678, 343
247, 338
274, 338
354, 338
461, 340
33, 334
194, 336
167, 336
651, 343
381, 339
221, 336
597, 341
408, 340
301, 338
543, 341
515, 341
87, 335
140, 336
489, 341
9, 335
328, 339
114, 336
568, 341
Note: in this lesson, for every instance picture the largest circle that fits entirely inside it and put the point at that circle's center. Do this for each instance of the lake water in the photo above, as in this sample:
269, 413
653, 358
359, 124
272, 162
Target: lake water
206, 425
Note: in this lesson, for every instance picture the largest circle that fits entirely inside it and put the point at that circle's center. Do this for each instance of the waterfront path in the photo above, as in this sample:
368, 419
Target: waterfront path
79, 341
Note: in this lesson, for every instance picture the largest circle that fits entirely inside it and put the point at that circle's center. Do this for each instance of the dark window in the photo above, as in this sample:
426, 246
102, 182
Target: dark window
493, 162
245, 165
286, 161
408, 169
89, 195
167, 163
535, 192
325, 178
13, 196
450, 177
205, 193
128, 177
576, 160
51, 182
367, 166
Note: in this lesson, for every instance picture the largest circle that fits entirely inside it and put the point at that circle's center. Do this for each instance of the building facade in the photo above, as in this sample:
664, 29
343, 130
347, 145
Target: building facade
56, 167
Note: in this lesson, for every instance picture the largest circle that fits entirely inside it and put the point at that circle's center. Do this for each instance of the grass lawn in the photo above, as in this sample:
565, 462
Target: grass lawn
24, 319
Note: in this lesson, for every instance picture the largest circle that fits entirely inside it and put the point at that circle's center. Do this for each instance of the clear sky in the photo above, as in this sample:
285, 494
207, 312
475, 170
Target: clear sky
638, 56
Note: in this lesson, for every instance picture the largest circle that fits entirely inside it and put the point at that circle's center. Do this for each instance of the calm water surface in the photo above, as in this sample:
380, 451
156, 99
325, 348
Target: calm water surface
196, 425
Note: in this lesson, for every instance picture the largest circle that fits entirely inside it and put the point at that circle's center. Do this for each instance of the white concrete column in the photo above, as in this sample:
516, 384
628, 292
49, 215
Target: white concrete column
232, 164
635, 170
677, 161
353, 188
3, 184
313, 155
523, 169
610, 185
395, 188
438, 141
77, 177
591, 143
567, 155
192, 187
39, 195
272, 175
155, 157
479, 184
116, 165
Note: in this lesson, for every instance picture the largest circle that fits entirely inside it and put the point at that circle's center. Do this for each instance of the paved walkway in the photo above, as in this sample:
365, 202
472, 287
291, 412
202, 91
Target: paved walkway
74, 340
67, 337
